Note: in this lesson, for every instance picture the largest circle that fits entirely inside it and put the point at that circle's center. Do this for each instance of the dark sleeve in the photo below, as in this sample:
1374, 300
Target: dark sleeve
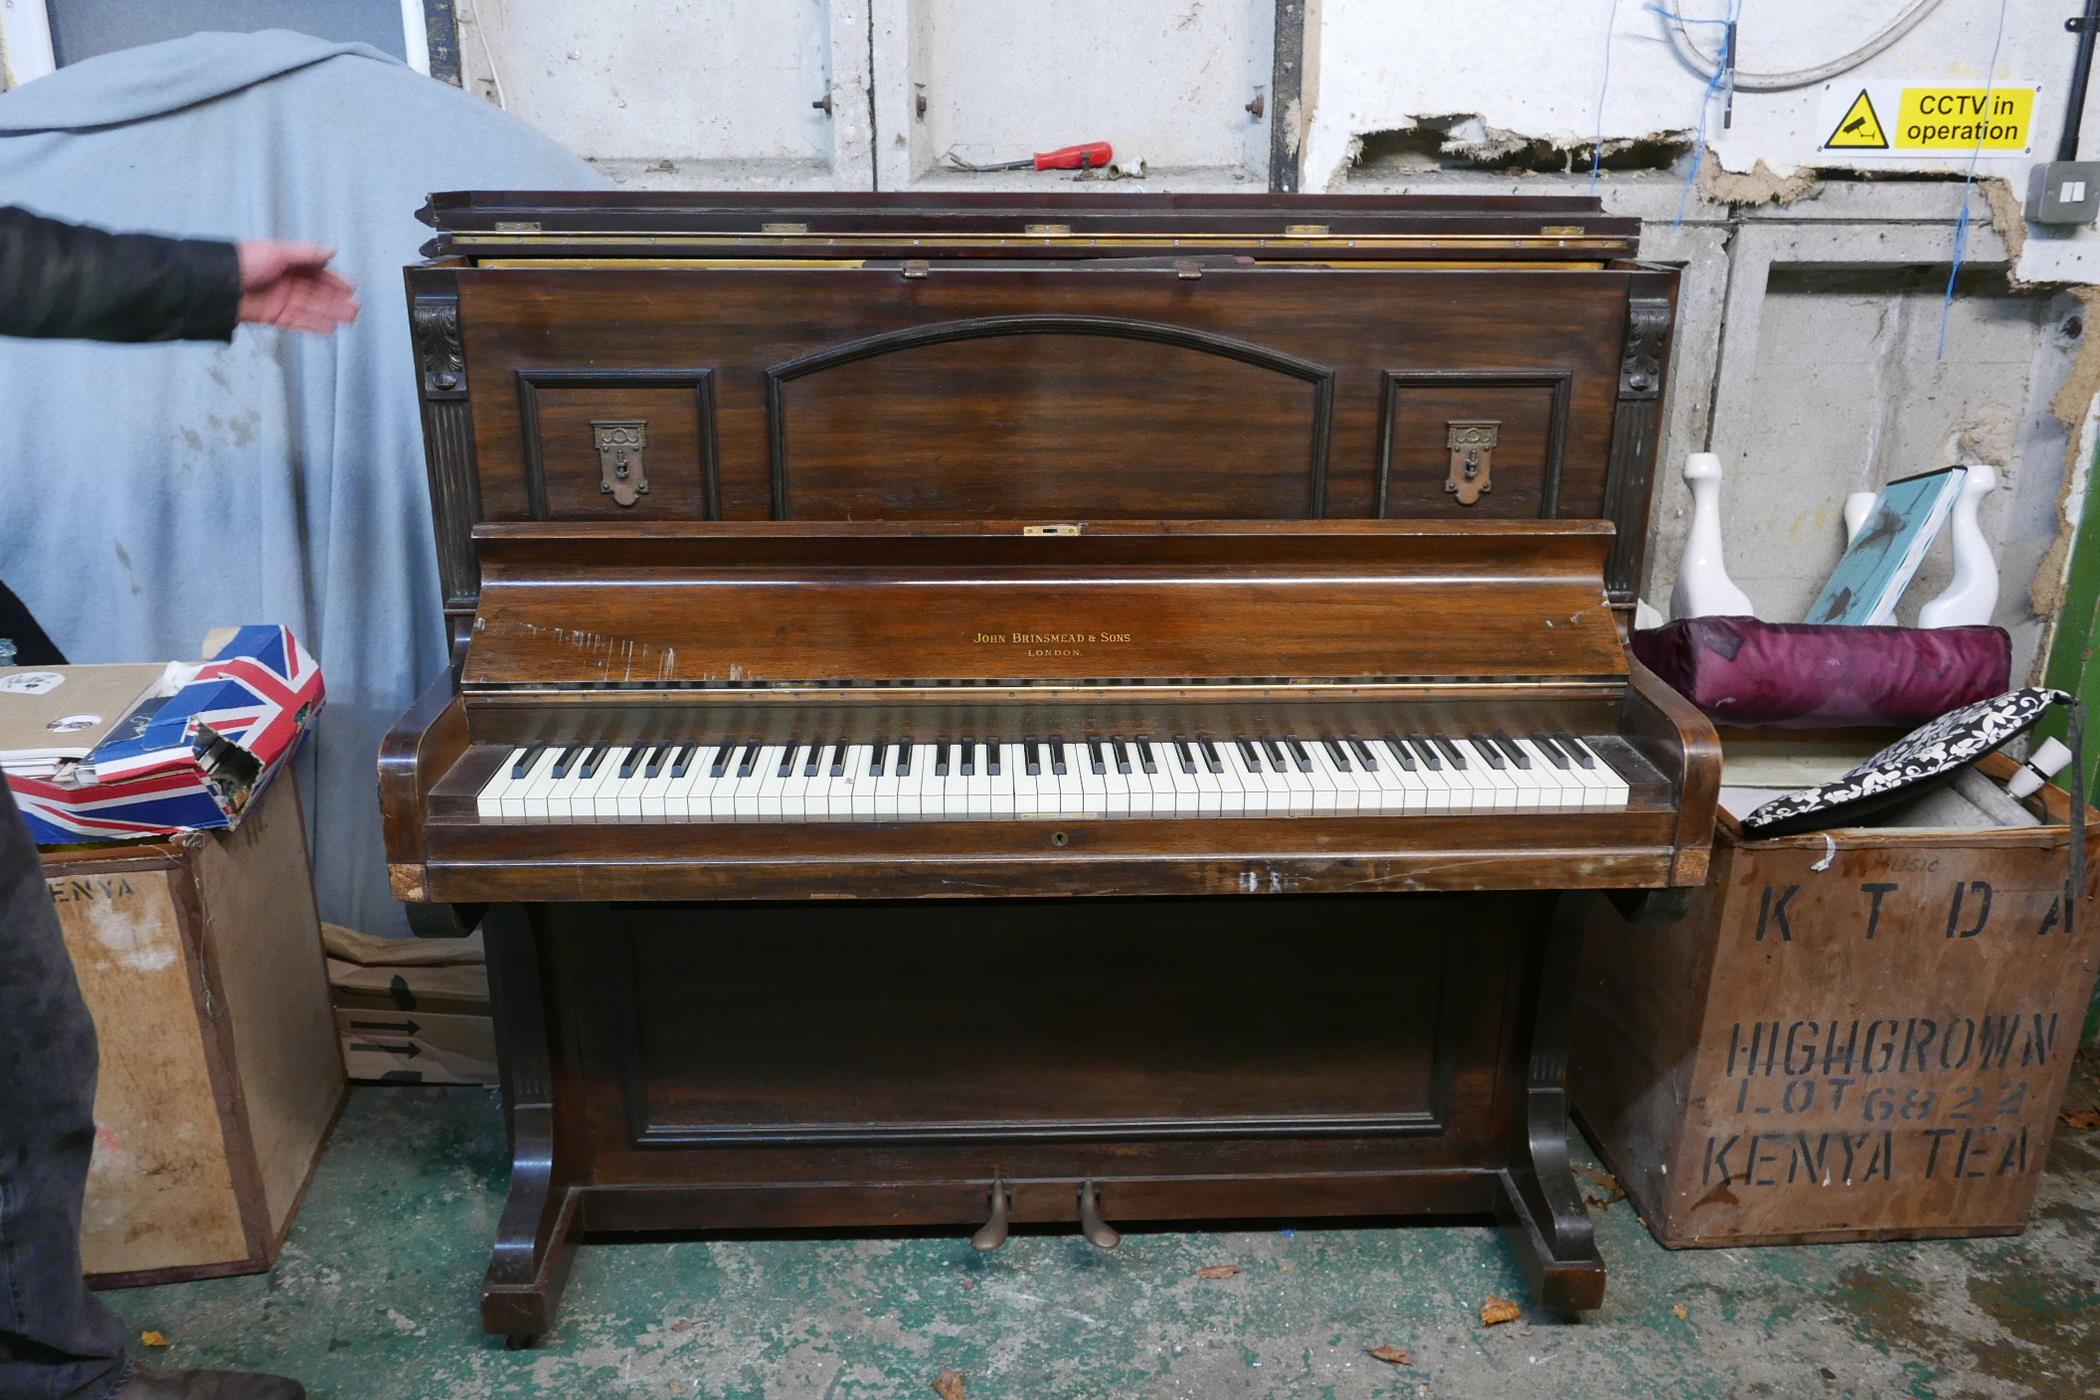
73, 281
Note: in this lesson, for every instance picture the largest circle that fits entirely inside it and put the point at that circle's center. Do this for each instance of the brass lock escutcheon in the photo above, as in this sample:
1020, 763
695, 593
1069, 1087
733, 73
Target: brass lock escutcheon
1472, 443
620, 445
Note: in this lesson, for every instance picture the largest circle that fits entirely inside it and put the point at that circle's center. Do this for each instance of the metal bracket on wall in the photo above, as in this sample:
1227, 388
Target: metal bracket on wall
1472, 442
621, 443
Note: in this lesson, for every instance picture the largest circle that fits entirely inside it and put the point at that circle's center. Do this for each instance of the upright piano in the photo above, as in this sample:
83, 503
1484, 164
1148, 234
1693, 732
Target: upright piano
994, 711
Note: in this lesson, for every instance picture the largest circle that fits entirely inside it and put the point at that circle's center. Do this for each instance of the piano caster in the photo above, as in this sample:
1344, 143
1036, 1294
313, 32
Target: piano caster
992, 1233
1099, 1233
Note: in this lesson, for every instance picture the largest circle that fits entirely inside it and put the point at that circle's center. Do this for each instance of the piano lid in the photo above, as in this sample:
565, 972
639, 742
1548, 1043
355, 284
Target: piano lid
660, 224
783, 603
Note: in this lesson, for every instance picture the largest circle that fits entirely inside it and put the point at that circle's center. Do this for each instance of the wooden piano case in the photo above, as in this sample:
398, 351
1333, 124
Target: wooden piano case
985, 1023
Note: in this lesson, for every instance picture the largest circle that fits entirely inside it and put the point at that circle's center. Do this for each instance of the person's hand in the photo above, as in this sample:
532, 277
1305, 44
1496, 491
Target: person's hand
289, 285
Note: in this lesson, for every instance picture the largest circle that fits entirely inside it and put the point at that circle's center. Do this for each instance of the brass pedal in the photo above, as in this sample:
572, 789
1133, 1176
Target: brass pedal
992, 1233
1099, 1233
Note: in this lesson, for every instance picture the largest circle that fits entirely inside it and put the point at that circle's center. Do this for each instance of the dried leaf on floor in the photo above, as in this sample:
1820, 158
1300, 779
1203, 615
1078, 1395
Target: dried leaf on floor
1498, 1310
152, 1339
949, 1385
684, 1324
1393, 1356
2081, 1118
1605, 1181
1217, 1271
1682, 1311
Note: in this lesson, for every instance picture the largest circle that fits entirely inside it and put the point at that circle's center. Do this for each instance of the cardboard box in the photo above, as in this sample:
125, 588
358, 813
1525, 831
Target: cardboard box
191, 755
412, 1010
1859, 1034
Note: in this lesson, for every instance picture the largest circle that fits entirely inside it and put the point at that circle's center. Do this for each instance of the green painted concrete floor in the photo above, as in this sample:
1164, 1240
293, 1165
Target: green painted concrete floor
374, 1296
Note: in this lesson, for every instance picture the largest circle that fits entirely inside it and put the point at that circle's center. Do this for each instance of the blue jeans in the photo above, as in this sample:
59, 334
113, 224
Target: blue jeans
56, 1339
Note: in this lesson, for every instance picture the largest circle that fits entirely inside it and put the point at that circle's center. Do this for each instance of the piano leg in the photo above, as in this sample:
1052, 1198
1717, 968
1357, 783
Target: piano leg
535, 1239
1539, 1206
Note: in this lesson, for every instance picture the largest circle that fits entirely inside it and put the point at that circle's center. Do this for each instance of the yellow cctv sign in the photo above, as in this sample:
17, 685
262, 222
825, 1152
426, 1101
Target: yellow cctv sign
1894, 119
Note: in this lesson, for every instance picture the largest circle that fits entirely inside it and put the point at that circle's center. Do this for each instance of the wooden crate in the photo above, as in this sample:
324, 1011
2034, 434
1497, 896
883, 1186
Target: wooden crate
1860, 1038
412, 1010
200, 958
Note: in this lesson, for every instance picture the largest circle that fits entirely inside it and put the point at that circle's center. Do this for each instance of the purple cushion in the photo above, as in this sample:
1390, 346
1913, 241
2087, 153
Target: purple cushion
1797, 675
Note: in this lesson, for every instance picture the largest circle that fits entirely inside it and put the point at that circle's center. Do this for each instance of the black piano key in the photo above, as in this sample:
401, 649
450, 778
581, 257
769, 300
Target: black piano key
633, 760
1450, 750
1146, 762
1545, 744
993, 756
1363, 754
1188, 755
904, 758
1336, 755
1511, 747
787, 762
524, 765
1297, 752
683, 761
721, 763
748, 761
882, 747
1487, 750
967, 752
1094, 758
1425, 751
566, 758
1031, 758
1247, 755
838, 759
1403, 752
1210, 756
1576, 750
1119, 750
1057, 756
940, 758
809, 766
1275, 753
590, 762
654, 768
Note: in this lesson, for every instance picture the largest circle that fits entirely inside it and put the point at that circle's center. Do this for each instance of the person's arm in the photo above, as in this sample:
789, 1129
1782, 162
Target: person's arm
70, 280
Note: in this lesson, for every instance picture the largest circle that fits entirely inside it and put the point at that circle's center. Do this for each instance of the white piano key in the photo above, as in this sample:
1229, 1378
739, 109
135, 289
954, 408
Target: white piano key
859, 805
488, 803
771, 781
1562, 787
539, 784
1615, 789
977, 783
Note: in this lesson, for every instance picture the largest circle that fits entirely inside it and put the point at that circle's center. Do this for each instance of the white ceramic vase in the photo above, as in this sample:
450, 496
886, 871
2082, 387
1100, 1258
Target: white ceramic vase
1969, 600
1703, 586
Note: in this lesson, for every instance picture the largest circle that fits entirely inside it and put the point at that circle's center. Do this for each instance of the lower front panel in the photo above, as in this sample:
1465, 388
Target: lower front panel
878, 1063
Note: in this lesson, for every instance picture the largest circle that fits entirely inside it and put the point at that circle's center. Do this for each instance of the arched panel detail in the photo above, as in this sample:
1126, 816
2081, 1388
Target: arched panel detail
1318, 378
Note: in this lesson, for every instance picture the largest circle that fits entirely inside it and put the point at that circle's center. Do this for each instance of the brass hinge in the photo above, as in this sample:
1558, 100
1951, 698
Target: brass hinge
1561, 231
1049, 529
915, 268
783, 228
1047, 230
504, 226
1305, 230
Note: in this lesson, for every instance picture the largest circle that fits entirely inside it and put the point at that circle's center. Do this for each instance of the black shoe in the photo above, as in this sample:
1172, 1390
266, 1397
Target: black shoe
208, 1385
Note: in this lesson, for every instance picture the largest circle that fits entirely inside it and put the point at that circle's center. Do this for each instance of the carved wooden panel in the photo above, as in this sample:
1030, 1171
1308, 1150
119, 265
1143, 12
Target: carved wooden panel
1530, 411
1105, 390
560, 412
1046, 416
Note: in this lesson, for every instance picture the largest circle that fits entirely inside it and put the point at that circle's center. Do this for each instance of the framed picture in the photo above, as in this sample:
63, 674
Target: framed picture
1884, 556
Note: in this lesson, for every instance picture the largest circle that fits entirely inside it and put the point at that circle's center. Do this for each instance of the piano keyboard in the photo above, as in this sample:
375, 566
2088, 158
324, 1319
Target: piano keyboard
972, 779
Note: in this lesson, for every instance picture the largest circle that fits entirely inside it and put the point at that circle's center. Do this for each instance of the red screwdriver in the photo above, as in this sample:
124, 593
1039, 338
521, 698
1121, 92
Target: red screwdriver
1091, 156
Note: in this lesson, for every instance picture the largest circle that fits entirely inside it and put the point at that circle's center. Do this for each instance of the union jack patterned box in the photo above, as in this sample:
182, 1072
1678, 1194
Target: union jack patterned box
192, 760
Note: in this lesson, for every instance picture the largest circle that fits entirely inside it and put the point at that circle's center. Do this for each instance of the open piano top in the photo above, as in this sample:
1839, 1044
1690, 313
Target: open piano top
774, 709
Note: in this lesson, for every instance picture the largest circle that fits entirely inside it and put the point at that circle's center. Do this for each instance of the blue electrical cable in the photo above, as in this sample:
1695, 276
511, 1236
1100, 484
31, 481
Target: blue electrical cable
1724, 72
1597, 151
1961, 221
